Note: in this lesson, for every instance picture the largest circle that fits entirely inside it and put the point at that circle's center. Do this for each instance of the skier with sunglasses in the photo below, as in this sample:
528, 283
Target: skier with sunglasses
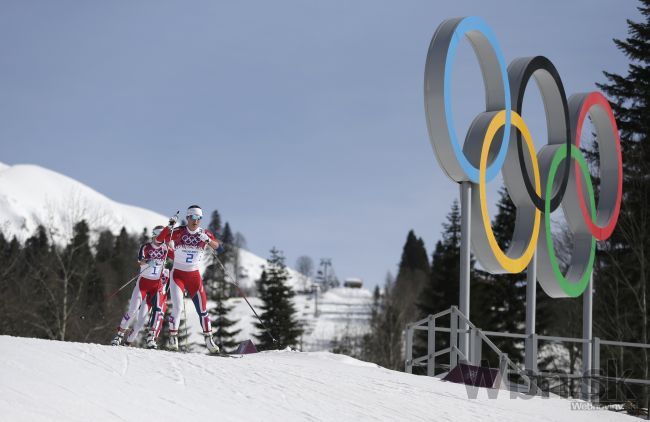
188, 243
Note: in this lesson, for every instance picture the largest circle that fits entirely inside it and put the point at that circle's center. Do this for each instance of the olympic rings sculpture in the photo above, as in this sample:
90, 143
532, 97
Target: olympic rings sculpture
537, 182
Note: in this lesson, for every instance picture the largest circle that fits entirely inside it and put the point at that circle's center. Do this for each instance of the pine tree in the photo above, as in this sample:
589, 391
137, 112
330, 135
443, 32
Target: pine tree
5, 283
220, 291
213, 273
104, 247
218, 287
13, 294
109, 274
215, 223
144, 236
384, 343
412, 275
278, 311
3, 243
224, 334
230, 249
124, 261
84, 291
376, 297
36, 286
621, 310
442, 288
502, 307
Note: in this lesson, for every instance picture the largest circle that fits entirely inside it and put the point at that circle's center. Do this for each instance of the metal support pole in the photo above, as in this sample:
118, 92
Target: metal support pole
531, 344
465, 250
531, 308
476, 344
470, 348
409, 349
587, 315
453, 339
431, 346
596, 370
503, 370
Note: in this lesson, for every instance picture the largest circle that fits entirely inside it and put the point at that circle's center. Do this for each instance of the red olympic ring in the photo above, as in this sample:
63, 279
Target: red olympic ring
600, 232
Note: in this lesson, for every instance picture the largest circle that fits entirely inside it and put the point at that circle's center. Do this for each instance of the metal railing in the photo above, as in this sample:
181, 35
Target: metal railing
477, 338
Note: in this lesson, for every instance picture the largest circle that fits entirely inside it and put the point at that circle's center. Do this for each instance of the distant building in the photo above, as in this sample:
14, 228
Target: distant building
353, 283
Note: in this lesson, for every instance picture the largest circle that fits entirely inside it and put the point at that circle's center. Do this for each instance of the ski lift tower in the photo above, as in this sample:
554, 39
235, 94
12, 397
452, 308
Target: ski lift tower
325, 264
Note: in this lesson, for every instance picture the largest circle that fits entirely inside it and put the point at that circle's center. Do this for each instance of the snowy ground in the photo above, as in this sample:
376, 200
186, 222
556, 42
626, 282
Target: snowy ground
56, 381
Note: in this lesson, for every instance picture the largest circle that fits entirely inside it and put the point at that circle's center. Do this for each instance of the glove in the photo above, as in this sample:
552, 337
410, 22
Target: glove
204, 237
173, 220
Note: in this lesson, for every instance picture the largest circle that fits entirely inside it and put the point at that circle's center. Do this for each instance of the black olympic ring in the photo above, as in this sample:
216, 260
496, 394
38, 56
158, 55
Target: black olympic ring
556, 109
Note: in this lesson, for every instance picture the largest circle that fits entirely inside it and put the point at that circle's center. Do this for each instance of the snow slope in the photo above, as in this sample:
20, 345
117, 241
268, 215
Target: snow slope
56, 381
250, 270
341, 311
31, 195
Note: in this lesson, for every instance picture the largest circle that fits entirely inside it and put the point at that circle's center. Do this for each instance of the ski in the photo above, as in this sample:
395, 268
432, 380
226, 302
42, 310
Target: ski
221, 355
226, 355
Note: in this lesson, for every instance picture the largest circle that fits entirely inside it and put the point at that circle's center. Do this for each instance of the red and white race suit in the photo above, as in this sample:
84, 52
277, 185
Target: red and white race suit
188, 251
152, 257
157, 304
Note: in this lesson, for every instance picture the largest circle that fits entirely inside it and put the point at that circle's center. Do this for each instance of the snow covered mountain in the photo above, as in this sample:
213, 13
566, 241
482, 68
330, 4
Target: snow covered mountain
56, 381
31, 195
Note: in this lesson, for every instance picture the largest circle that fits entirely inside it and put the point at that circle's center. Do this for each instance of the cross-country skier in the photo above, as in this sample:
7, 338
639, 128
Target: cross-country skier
152, 303
152, 260
189, 243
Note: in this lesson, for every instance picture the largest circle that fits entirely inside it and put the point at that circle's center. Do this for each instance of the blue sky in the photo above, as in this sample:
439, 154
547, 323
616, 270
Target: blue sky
301, 122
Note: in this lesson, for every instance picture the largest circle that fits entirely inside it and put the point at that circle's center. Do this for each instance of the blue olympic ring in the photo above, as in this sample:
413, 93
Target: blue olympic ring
482, 36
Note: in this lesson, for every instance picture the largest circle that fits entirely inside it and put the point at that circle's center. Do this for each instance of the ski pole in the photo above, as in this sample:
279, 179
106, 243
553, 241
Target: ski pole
128, 282
234, 283
185, 325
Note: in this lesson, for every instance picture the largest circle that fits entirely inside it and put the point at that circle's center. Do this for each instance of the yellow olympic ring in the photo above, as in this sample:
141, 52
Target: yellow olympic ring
511, 265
